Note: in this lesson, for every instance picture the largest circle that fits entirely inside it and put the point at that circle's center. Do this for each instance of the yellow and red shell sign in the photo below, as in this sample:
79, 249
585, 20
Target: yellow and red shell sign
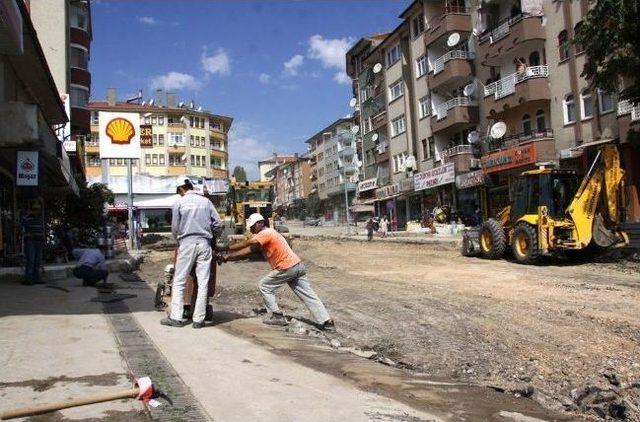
120, 130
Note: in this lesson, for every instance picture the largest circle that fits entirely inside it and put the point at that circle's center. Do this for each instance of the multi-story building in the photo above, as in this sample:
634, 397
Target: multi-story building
34, 167
477, 92
185, 140
64, 31
265, 166
292, 185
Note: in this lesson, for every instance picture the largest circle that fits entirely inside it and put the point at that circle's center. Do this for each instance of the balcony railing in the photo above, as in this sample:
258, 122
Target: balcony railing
507, 85
438, 64
625, 107
442, 109
458, 149
502, 29
509, 141
455, 9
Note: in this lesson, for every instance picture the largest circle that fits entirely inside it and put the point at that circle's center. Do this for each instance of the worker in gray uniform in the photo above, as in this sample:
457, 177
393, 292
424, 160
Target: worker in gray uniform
195, 223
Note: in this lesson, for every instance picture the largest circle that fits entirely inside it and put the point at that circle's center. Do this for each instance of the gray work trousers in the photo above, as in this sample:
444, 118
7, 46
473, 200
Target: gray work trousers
296, 278
198, 253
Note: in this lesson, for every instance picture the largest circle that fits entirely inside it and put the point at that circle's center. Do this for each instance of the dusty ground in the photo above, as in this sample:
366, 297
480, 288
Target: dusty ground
569, 336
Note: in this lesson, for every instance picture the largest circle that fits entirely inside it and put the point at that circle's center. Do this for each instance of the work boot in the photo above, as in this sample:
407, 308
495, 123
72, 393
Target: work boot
172, 322
329, 326
276, 319
198, 324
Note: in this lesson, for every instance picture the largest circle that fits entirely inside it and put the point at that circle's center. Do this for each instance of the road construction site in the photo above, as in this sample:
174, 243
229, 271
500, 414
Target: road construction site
560, 335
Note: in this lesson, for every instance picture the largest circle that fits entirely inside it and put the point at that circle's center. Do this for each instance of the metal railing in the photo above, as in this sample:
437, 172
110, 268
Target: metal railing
626, 107
515, 139
442, 109
455, 9
502, 29
438, 64
458, 149
507, 85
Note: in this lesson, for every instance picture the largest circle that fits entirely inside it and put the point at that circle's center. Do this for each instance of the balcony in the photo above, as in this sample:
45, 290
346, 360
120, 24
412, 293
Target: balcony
507, 34
348, 167
339, 188
451, 67
346, 151
454, 19
91, 147
628, 118
460, 156
80, 77
456, 111
513, 140
530, 85
218, 153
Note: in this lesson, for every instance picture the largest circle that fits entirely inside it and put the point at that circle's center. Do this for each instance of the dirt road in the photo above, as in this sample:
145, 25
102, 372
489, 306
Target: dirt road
568, 336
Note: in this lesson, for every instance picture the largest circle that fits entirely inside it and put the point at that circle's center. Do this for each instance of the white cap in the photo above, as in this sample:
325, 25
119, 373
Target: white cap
253, 219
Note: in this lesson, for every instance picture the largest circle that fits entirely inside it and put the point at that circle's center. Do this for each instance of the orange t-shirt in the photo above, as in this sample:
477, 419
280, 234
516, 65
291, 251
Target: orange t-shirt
276, 249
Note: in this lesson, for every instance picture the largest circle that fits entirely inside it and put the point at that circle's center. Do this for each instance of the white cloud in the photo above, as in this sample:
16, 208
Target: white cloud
293, 64
264, 78
342, 78
217, 63
246, 149
175, 80
330, 52
148, 20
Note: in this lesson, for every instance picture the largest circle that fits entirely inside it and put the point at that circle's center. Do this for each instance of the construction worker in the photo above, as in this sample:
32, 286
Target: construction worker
91, 266
195, 223
287, 268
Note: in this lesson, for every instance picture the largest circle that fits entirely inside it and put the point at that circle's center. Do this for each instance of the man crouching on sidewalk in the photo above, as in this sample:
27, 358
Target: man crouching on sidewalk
287, 268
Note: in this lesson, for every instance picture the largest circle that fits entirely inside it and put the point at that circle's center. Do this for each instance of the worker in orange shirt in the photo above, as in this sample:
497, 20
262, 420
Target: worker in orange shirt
287, 268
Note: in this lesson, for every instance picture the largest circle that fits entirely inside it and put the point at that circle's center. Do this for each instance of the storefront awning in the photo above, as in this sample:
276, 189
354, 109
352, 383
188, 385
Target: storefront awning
592, 144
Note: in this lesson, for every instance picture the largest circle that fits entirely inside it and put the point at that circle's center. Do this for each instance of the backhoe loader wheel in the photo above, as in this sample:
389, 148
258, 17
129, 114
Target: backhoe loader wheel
468, 247
524, 244
493, 241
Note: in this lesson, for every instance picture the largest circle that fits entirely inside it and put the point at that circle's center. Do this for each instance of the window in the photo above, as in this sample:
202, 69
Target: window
161, 159
576, 30
154, 120
425, 149
395, 90
366, 125
397, 126
79, 97
94, 118
147, 120
191, 140
417, 25
176, 138
201, 123
193, 160
421, 65
526, 125
398, 162
540, 122
154, 159
534, 59
586, 104
161, 120
78, 57
393, 55
432, 146
569, 109
605, 102
425, 106
191, 121
198, 160
364, 94
120, 162
563, 45
78, 16
161, 139
147, 159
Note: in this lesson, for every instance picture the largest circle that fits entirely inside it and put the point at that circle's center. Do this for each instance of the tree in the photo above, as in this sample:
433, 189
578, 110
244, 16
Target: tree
239, 174
312, 205
611, 41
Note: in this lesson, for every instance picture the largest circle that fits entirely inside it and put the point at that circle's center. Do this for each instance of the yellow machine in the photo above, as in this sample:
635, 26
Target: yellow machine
247, 198
552, 211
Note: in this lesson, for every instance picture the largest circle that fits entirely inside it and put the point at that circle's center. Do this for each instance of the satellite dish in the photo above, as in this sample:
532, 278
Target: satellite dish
469, 89
377, 68
355, 129
180, 104
151, 102
473, 137
144, 103
374, 137
498, 130
353, 102
183, 119
453, 39
410, 163
200, 108
183, 158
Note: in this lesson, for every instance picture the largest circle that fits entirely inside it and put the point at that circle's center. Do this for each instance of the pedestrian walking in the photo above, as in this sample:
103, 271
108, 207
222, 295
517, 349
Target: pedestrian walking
91, 266
369, 227
33, 236
287, 268
384, 226
195, 224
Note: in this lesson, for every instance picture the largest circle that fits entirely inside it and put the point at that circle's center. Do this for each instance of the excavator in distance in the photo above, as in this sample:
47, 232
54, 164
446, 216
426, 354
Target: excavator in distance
553, 212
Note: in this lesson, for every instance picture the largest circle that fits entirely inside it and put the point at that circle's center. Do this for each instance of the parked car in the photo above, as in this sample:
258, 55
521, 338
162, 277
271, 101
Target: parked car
311, 222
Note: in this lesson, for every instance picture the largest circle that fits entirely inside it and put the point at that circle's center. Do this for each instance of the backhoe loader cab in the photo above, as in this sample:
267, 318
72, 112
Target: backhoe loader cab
552, 211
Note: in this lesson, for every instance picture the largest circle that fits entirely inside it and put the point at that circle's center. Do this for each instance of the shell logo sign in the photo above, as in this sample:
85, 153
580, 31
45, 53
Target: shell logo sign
120, 130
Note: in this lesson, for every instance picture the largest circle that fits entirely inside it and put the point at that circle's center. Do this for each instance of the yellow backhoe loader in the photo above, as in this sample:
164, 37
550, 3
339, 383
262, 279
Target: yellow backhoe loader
552, 212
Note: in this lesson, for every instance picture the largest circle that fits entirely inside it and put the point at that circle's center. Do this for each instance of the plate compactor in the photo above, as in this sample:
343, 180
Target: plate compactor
164, 290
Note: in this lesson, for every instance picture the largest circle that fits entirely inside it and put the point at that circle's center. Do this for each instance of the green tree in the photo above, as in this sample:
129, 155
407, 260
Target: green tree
312, 206
611, 40
240, 174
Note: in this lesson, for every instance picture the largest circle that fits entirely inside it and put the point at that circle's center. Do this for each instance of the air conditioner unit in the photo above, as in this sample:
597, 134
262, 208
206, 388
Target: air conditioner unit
475, 163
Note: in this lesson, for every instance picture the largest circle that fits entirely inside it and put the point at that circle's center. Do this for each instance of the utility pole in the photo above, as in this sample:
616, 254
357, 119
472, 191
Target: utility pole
132, 231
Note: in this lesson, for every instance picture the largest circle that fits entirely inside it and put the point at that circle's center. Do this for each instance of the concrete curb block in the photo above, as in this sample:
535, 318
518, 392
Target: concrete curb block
430, 242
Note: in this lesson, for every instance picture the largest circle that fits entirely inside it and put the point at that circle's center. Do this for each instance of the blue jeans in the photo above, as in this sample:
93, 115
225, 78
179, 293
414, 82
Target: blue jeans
33, 260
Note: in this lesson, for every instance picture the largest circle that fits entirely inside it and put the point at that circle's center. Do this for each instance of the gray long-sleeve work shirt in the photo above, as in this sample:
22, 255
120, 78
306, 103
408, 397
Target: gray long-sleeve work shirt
194, 218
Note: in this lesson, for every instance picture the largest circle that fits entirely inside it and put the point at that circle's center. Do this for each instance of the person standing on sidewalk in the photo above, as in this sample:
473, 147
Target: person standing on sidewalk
194, 223
384, 226
287, 268
33, 236
369, 227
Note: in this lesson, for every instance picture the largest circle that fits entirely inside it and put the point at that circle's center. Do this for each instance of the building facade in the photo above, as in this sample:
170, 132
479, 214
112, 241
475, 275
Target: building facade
474, 94
185, 140
265, 166
292, 185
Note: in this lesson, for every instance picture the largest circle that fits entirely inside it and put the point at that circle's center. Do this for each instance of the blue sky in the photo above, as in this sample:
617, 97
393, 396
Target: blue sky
276, 67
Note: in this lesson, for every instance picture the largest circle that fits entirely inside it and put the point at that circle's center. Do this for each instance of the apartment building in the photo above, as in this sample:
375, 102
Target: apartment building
265, 166
477, 92
292, 185
334, 167
184, 139
65, 34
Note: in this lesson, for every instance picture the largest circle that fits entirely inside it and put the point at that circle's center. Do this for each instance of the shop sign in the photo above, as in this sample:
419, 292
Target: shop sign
70, 146
146, 136
27, 168
119, 135
368, 184
509, 158
387, 191
435, 177
406, 185
469, 180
